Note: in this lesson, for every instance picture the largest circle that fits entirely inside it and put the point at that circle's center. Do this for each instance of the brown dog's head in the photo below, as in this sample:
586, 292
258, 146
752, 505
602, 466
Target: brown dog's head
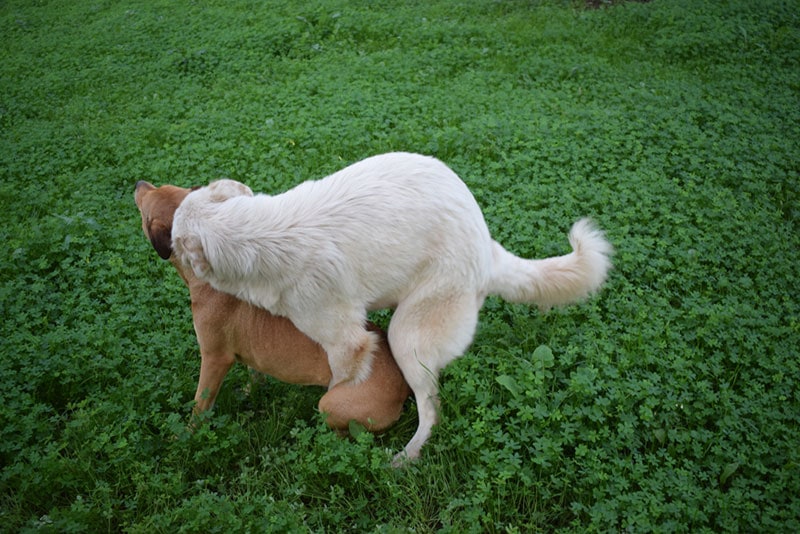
157, 206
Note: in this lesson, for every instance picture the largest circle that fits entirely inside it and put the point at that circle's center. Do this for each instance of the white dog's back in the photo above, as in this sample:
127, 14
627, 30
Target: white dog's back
368, 231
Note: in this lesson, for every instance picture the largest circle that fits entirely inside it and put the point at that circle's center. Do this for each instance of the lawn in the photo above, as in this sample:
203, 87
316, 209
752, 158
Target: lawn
668, 402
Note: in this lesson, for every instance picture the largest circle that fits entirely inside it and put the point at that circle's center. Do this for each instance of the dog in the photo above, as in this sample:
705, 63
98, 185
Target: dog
396, 230
229, 329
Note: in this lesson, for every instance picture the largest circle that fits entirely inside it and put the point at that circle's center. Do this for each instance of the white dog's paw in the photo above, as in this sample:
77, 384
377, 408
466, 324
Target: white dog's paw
190, 252
402, 459
222, 190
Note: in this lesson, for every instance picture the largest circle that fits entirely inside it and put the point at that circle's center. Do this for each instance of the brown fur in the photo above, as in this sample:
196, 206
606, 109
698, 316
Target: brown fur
229, 329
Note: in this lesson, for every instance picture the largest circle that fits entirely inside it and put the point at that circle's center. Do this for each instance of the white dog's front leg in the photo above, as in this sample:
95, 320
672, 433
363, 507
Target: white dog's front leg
349, 345
352, 361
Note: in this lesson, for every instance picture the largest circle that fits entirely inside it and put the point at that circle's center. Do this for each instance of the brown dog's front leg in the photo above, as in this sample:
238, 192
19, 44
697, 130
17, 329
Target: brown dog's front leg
213, 369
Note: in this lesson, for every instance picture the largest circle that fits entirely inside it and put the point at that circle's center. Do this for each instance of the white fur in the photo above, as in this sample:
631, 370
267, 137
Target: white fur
396, 230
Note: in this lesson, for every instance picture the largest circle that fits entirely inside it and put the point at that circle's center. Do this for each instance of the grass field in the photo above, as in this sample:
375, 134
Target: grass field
667, 403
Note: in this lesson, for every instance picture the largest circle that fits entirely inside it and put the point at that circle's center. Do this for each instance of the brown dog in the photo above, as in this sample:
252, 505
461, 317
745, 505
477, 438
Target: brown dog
229, 329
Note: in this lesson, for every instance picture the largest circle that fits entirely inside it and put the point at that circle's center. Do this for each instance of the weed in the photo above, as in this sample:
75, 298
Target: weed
667, 403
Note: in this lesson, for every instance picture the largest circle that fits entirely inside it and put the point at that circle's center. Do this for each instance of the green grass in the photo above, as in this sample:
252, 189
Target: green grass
667, 403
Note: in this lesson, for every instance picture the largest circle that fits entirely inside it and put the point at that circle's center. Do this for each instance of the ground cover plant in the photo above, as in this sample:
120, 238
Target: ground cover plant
667, 403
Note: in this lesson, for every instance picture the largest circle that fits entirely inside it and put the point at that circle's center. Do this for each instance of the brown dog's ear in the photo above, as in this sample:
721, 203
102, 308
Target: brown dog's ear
161, 237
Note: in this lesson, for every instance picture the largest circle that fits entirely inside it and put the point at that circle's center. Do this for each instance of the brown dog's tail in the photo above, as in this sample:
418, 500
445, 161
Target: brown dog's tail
554, 281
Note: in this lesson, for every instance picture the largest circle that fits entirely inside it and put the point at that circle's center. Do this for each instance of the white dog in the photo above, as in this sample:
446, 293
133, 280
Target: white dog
396, 230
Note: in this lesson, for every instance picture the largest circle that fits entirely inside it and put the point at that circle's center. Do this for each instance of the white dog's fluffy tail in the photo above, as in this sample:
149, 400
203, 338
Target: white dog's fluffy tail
554, 281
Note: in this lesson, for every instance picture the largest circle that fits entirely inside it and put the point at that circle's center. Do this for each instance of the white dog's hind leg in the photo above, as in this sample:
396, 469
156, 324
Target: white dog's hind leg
425, 334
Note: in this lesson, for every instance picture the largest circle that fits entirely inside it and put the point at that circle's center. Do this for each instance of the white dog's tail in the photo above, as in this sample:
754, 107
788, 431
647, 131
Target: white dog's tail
558, 280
